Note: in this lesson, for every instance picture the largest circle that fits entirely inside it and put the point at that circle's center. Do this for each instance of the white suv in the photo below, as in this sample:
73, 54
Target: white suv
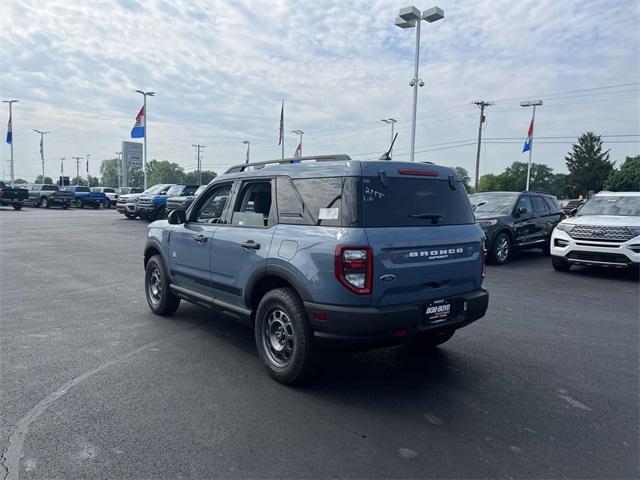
111, 194
604, 232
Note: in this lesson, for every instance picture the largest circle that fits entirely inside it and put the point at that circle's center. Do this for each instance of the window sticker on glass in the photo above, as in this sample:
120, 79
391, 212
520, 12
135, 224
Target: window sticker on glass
329, 214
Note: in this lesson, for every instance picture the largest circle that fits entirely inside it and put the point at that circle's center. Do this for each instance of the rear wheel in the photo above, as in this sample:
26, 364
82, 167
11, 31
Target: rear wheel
44, 202
501, 249
106, 204
17, 206
160, 298
284, 338
560, 266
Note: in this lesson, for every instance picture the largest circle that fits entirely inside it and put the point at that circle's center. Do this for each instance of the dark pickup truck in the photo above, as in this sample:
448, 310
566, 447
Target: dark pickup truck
14, 197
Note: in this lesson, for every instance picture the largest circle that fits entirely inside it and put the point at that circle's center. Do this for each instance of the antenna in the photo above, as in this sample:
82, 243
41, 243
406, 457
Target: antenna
387, 155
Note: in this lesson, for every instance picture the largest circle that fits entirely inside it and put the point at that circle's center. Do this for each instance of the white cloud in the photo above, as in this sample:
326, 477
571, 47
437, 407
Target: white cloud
220, 70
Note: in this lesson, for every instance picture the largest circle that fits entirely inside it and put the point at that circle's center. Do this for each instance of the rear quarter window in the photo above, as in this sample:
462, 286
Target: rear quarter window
402, 201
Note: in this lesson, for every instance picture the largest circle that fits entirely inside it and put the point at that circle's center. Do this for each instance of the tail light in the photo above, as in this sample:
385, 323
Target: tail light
354, 268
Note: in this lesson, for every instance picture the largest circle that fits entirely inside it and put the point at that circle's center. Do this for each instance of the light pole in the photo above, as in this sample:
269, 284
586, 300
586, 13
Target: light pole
122, 179
248, 144
42, 134
300, 133
144, 169
77, 159
88, 181
529, 143
10, 134
62, 159
391, 121
410, 17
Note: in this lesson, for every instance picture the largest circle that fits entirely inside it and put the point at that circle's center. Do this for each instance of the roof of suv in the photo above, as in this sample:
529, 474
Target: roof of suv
333, 166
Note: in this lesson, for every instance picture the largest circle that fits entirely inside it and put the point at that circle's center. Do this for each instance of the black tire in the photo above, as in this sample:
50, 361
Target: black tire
160, 214
560, 266
546, 247
96, 205
65, 205
44, 202
106, 204
17, 206
129, 216
284, 337
431, 341
500, 251
160, 298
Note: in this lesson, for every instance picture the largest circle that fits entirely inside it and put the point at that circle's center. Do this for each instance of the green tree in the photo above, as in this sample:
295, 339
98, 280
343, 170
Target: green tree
162, 171
588, 165
93, 181
136, 177
627, 178
514, 178
39, 179
558, 185
110, 173
488, 183
78, 181
192, 177
464, 176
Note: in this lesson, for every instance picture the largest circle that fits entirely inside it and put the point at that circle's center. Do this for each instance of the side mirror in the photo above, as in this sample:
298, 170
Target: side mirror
522, 210
177, 217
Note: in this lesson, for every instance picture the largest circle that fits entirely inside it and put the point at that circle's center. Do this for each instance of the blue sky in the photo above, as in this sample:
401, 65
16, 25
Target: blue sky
221, 69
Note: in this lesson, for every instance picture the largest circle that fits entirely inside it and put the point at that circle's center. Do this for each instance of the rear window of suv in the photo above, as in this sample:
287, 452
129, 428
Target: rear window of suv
413, 202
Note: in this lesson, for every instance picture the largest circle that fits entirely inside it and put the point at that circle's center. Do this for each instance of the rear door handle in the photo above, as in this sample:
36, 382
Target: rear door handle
200, 238
250, 245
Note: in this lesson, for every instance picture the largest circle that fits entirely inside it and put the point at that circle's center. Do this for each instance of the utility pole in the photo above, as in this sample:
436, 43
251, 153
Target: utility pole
482, 105
198, 147
10, 134
77, 159
62, 159
88, 182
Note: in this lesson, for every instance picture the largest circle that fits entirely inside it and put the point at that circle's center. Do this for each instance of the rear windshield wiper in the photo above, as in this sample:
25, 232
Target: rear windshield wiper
434, 217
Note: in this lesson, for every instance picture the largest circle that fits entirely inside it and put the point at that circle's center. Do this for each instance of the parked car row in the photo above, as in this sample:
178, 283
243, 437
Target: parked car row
155, 202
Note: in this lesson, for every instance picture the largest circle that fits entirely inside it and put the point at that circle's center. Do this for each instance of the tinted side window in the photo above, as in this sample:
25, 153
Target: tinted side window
322, 199
253, 207
290, 206
524, 202
539, 205
213, 208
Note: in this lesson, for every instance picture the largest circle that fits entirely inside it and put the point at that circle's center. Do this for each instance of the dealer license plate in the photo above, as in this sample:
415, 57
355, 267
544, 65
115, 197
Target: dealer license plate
438, 311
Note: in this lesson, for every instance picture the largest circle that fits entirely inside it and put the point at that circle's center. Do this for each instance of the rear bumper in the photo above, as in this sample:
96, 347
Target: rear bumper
11, 201
390, 325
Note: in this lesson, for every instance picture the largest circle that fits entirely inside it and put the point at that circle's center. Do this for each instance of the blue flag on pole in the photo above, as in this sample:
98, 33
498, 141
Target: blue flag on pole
9, 131
138, 129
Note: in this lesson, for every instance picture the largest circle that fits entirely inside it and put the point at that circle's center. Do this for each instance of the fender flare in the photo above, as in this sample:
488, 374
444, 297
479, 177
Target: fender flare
279, 271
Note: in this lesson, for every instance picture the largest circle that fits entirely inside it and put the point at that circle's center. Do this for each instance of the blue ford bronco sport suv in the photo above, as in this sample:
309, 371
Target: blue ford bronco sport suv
323, 251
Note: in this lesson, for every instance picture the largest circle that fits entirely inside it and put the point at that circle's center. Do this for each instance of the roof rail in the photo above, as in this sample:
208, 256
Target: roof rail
319, 158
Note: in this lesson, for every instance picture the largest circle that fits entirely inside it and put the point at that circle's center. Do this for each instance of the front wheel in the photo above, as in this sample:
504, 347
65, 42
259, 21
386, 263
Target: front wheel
161, 300
106, 204
44, 202
283, 336
129, 216
501, 249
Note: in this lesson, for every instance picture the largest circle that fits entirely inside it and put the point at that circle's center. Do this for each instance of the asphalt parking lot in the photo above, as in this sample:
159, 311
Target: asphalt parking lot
95, 386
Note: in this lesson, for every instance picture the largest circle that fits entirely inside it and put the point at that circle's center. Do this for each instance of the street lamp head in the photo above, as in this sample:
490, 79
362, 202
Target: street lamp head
401, 23
433, 14
150, 94
409, 14
246, 142
531, 103
9, 101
